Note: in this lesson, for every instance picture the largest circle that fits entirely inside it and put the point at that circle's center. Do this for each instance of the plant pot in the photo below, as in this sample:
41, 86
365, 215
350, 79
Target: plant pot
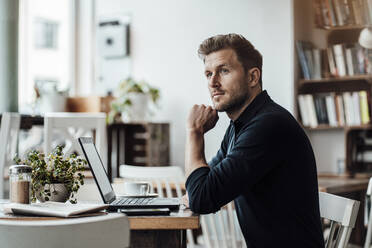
137, 112
58, 192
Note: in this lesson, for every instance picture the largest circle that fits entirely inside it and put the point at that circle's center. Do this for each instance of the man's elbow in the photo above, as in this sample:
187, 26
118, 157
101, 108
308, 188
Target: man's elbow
201, 204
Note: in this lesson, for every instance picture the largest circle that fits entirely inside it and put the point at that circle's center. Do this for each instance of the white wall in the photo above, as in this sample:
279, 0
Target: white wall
165, 35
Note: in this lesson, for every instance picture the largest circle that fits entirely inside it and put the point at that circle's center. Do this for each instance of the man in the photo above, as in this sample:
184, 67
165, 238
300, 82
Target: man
265, 164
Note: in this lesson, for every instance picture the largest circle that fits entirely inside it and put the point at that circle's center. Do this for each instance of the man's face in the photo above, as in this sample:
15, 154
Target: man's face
227, 81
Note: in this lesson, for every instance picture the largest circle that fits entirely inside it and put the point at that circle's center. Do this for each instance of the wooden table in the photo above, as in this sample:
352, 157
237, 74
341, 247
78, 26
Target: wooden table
165, 231
148, 231
353, 188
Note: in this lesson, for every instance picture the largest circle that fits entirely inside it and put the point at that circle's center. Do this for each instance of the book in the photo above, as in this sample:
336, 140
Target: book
302, 59
331, 110
303, 110
317, 65
318, 13
321, 109
309, 99
349, 61
357, 12
340, 59
339, 12
340, 110
364, 110
348, 108
330, 12
356, 108
331, 61
56, 209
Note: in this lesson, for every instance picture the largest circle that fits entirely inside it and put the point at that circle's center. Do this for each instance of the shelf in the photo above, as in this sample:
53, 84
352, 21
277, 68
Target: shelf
327, 127
365, 77
345, 27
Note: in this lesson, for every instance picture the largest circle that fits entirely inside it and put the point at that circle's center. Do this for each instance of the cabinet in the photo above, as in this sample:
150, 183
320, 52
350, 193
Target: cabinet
141, 144
332, 27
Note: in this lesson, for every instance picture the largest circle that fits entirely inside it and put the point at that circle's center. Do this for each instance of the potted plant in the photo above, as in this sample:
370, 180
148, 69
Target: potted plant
132, 102
55, 177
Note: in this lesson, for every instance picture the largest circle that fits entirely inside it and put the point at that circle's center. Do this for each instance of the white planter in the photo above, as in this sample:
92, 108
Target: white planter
52, 103
138, 111
58, 192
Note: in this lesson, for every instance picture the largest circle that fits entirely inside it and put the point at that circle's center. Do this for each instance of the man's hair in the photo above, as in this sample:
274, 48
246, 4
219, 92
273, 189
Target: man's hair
247, 54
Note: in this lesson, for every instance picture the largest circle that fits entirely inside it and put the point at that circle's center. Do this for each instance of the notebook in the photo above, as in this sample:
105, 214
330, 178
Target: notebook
106, 190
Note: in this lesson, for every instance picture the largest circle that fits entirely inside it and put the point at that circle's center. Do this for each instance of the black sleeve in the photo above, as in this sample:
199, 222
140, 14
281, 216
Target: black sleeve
255, 153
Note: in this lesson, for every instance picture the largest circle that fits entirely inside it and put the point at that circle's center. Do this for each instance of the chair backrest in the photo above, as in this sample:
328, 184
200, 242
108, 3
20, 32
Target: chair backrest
368, 215
9, 130
342, 212
161, 176
73, 125
109, 231
221, 229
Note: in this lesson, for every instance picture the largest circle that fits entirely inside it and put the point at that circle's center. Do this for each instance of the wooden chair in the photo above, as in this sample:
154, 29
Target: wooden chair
10, 123
222, 229
70, 126
162, 177
368, 215
342, 213
109, 231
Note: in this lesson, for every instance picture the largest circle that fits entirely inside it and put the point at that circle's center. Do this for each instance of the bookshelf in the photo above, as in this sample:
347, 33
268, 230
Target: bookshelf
329, 31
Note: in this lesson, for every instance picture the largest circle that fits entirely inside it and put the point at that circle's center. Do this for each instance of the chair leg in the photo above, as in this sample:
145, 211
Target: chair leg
367, 243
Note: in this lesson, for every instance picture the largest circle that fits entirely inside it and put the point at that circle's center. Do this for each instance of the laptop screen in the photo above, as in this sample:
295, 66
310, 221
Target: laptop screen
97, 168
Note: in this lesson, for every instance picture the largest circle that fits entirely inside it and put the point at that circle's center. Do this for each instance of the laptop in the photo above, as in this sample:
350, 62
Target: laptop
106, 190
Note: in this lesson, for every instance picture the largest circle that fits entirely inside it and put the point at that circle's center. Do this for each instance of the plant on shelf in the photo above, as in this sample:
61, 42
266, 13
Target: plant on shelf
55, 177
132, 101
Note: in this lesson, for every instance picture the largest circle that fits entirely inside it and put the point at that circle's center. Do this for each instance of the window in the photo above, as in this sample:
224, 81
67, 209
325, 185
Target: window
46, 43
46, 33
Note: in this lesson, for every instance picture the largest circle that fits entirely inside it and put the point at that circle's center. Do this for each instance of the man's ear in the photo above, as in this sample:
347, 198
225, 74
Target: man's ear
254, 76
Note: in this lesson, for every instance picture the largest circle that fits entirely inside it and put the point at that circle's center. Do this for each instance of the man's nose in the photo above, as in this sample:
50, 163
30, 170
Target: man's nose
214, 81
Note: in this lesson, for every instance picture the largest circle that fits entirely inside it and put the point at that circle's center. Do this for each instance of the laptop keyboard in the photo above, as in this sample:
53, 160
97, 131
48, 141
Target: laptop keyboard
132, 201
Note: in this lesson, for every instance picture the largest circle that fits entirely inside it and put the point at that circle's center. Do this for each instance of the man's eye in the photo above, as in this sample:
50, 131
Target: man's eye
223, 70
208, 75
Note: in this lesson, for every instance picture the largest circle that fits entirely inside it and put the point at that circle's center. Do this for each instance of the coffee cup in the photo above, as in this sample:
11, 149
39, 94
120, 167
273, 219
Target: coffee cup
137, 188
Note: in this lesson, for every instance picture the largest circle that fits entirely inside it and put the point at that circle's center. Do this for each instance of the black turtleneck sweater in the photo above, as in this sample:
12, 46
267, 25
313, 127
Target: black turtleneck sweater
267, 166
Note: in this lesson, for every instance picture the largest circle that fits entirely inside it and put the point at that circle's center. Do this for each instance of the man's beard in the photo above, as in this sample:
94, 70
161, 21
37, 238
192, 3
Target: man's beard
234, 104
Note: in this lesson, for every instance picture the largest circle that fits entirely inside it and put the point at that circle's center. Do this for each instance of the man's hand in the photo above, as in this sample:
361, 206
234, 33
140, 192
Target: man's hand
185, 200
202, 119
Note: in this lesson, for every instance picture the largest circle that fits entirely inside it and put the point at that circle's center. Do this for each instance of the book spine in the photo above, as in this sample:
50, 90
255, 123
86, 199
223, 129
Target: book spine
312, 113
340, 59
357, 12
369, 11
340, 110
323, 109
349, 61
331, 61
332, 15
356, 107
364, 109
303, 110
310, 62
318, 13
331, 110
317, 64
338, 11
325, 13
349, 117
302, 59
351, 14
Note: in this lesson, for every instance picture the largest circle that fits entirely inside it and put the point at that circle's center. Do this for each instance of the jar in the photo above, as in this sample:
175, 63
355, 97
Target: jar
20, 183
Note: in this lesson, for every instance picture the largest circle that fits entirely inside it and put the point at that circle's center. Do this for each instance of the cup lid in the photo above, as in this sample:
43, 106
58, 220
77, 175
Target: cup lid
21, 168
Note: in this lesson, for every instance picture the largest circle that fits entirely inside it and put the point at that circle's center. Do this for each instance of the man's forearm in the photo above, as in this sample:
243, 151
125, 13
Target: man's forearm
194, 151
